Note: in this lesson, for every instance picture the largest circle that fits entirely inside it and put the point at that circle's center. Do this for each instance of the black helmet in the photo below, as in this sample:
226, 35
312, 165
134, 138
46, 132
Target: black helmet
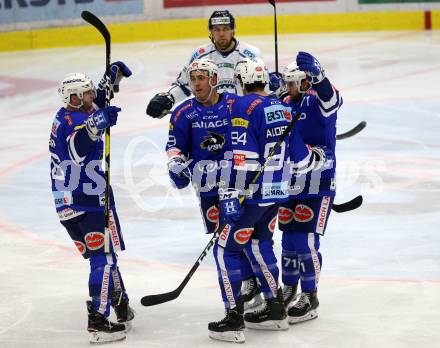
221, 18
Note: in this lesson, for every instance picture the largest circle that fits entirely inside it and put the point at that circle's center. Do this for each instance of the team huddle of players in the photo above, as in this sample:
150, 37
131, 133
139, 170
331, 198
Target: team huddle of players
221, 142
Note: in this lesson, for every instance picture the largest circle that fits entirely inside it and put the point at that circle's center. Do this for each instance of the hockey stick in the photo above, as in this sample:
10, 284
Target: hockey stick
352, 132
152, 300
350, 205
273, 3
96, 22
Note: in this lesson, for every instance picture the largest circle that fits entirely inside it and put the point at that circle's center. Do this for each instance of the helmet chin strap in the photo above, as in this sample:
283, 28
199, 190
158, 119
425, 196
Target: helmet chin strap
210, 92
76, 106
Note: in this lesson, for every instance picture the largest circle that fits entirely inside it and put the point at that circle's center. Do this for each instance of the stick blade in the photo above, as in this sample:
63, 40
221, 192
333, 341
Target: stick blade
152, 300
272, 2
348, 206
352, 132
97, 23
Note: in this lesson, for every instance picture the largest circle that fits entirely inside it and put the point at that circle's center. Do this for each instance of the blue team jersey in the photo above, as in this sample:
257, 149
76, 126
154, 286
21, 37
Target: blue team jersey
200, 133
78, 182
257, 122
317, 126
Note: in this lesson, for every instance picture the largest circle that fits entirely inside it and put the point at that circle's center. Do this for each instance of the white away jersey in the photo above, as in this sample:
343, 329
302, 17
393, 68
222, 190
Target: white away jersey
226, 62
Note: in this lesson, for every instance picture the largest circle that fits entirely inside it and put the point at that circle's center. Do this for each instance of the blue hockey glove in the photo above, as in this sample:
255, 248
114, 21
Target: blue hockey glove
310, 65
277, 85
100, 120
160, 105
118, 70
230, 207
179, 172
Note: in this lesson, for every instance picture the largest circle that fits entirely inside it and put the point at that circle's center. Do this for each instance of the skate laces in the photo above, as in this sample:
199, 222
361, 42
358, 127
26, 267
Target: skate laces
248, 286
287, 292
226, 318
303, 301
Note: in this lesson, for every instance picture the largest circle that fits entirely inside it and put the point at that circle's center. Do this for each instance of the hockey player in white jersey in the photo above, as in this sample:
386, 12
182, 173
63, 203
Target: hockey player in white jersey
224, 50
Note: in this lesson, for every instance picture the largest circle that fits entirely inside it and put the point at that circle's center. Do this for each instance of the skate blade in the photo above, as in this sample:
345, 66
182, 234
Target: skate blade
272, 325
228, 336
313, 314
128, 326
105, 337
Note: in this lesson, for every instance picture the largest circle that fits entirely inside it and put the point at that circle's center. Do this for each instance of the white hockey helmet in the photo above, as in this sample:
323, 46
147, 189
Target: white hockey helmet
251, 71
292, 73
204, 65
75, 84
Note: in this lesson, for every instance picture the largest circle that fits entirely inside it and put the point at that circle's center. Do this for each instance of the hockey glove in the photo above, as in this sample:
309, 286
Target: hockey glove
100, 120
310, 65
179, 172
160, 105
277, 85
230, 207
118, 70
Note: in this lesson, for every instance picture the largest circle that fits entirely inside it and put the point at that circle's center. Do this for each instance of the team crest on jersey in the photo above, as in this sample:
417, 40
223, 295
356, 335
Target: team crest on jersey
303, 213
285, 215
80, 246
272, 224
94, 240
212, 214
242, 236
213, 142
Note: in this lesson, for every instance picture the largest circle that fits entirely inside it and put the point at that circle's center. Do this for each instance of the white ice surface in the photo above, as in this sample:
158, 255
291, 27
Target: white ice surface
380, 284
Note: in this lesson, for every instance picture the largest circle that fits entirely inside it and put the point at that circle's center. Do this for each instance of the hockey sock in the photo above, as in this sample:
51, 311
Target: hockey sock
229, 274
264, 262
101, 282
289, 259
246, 267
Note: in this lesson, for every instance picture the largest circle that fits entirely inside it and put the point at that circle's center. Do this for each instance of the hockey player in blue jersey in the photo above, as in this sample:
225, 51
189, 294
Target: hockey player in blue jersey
197, 139
224, 50
78, 187
257, 121
303, 219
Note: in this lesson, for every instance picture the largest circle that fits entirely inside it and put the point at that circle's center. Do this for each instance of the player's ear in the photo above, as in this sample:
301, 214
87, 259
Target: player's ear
214, 79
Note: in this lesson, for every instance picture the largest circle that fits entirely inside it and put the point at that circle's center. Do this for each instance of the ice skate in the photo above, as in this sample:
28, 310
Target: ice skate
124, 313
101, 329
250, 294
305, 309
230, 328
271, 317
289, 295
